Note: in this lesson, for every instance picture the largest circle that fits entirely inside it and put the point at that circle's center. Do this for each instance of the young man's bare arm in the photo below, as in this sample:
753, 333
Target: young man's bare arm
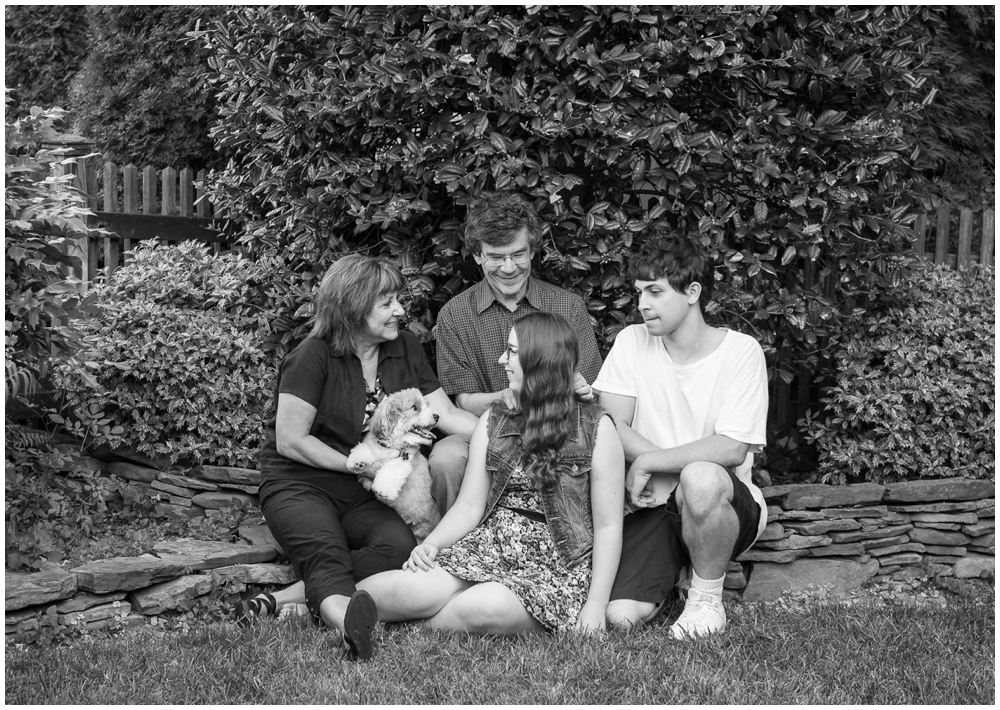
647, 459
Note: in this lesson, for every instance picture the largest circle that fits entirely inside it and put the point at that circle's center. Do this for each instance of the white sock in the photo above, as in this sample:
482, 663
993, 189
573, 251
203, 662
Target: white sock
709, 587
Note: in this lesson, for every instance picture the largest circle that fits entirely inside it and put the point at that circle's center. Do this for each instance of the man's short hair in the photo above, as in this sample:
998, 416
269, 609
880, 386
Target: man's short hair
497, 218
678, 259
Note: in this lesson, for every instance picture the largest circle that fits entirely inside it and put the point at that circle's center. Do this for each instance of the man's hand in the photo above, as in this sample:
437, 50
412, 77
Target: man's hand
637, 484
581, 389
509, 398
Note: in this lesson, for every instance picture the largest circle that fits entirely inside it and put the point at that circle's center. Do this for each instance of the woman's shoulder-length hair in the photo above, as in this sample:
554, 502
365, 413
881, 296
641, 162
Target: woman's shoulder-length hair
347, 294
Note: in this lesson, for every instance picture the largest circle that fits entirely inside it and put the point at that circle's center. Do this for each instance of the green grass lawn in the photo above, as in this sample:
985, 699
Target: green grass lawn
867, 653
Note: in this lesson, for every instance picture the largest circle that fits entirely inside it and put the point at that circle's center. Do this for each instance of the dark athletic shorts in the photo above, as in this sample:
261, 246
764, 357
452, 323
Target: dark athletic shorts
653, 550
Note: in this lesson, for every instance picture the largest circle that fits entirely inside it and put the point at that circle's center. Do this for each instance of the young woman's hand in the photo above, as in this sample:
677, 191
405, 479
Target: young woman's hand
591, 618
422, 557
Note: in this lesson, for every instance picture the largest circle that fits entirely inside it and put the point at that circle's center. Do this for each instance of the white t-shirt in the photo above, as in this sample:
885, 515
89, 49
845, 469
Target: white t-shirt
723, 393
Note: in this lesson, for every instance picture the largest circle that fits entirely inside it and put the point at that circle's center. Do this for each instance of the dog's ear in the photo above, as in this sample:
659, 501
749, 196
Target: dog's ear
381, 420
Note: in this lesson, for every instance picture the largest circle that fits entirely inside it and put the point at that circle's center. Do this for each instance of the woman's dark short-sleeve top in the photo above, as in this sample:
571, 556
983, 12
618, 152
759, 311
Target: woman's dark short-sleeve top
335, 385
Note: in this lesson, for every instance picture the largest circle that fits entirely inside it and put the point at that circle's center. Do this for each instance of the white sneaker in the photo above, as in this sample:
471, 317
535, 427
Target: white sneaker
703, 615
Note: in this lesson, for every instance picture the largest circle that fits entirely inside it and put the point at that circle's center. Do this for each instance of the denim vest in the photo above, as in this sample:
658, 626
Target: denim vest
567, 505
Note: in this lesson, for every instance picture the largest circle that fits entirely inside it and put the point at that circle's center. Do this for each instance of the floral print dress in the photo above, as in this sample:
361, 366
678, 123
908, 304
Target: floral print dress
518, 552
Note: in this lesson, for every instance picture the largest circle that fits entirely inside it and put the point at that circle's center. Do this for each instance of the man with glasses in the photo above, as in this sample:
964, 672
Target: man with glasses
502, 231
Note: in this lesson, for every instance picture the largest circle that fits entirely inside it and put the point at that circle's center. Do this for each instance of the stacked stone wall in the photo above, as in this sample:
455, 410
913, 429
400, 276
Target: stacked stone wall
819, 538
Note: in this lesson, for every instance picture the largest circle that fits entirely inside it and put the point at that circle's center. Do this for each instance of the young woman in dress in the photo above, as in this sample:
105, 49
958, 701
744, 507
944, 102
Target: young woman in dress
533, 541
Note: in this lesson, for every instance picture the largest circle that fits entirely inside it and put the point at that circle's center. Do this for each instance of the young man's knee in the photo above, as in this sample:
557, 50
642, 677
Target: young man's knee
703, 486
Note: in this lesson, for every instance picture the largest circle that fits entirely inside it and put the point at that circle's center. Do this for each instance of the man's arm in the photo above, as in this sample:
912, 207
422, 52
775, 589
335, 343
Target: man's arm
647, 459
479, 402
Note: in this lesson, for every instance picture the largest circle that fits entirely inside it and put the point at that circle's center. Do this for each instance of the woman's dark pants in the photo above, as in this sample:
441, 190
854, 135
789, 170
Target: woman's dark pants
335, 532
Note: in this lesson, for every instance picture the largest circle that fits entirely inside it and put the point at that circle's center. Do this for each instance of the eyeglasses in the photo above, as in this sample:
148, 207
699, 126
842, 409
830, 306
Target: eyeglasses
518, 258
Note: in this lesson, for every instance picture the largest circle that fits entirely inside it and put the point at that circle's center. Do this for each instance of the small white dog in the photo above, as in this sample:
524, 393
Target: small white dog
389, 463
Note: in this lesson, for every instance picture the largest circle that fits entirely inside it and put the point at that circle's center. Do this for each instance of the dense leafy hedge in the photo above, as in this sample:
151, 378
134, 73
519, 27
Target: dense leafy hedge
774, 135
185, 374
915, 392
44, 47
137, 95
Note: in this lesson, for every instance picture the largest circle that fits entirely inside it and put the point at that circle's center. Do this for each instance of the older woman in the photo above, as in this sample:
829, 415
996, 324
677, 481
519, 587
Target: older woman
333, 530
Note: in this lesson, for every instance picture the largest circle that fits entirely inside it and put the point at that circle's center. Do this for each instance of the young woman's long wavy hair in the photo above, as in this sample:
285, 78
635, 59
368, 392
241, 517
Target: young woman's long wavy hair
549, 351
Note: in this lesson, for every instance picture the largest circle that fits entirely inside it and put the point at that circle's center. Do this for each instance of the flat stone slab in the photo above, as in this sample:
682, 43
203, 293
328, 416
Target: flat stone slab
929, 536
131, 471
975, 566
819, 527
256, 532
896, 549
847, 549
227, 474
984, 540
960, 518
943, 507
125, 573
939, 526
255, 574
177, 593
84, 600
172, 489
872, 511
773, 531
987, 525
818, 495
774, 556
95, 613
836, 576
941, 489
954, 551
798, 515
214, 500
906, 558
870, 533
205, 554
797, 542
175, 479
23, 589
884, 542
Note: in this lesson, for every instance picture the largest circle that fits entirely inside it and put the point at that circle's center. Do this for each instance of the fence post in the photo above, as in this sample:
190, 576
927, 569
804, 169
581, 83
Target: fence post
87, 183
149, 190
111, 252
986, 249
941, 235
964, 238
130, 196
187, 193
920, 230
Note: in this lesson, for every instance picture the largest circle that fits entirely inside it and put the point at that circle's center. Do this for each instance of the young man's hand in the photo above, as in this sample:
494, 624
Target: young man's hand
637, 484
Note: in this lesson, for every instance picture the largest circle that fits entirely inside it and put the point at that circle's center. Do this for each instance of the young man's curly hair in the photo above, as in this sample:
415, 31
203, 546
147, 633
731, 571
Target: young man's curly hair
678, 259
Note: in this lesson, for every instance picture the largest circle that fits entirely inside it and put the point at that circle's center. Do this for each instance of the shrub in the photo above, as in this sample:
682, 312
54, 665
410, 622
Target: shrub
44, 47
914, 396
186, 375
772, 134
137, 94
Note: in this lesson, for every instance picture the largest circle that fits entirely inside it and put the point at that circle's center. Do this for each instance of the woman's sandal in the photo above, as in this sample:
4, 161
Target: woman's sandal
359, 623
257, 607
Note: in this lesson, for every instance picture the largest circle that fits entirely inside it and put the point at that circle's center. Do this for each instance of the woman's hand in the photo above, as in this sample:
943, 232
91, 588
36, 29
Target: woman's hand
422, 557
591, 618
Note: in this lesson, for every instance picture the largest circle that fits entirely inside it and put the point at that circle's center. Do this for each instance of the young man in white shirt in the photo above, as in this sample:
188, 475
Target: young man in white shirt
690, 404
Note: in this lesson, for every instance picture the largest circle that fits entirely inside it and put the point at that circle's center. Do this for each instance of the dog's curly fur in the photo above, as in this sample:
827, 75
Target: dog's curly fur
389, 463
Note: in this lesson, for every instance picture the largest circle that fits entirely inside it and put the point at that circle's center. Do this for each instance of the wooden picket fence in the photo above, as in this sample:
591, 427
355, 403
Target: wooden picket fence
134, 205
